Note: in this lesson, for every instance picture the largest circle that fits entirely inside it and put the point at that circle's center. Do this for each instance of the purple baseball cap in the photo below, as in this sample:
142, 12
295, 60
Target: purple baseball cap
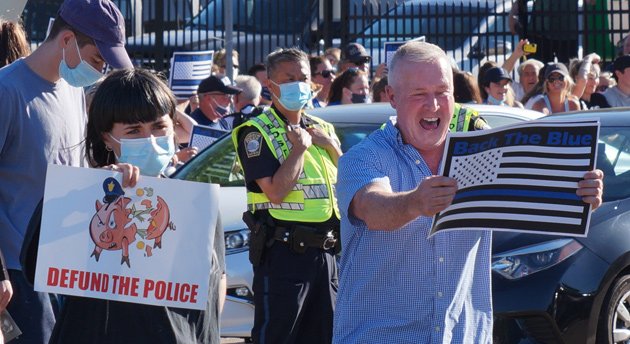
102, 21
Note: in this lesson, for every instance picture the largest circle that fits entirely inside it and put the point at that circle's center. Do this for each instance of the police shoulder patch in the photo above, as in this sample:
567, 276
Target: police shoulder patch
253, 144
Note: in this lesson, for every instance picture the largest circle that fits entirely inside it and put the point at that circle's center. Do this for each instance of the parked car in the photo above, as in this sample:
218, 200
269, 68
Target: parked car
255, 33
217, 164
470, 31
553, 289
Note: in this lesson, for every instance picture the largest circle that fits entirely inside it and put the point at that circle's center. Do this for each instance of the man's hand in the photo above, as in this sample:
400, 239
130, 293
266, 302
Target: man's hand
591, 188
320, 138
186, 154
6, 291
434, 194
299, 137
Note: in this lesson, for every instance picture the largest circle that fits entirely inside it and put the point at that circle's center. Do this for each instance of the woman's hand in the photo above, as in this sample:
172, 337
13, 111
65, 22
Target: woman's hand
131, 173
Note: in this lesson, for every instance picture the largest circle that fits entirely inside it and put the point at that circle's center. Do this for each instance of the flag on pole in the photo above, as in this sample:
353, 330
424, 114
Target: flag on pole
188, 69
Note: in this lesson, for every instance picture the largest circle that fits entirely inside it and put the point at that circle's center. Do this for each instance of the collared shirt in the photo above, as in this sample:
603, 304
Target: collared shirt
400, 286
201, 119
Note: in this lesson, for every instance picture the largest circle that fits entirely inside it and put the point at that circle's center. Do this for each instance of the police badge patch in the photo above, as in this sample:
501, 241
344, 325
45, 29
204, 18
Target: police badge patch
253, 144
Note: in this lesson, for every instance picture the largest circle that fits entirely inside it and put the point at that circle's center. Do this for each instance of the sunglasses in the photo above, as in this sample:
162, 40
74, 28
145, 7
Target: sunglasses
326, 73
552, 79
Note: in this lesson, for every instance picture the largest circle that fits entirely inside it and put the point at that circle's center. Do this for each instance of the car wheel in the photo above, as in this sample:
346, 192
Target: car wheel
614, 321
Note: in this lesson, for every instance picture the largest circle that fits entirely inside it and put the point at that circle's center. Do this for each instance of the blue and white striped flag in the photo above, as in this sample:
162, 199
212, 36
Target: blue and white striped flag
188, 69
520, 179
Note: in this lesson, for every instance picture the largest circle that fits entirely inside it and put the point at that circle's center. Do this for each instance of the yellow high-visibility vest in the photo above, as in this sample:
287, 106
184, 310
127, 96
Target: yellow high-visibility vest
313, 198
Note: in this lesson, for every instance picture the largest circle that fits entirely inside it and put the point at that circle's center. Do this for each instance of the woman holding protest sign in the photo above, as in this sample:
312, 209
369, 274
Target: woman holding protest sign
130, 130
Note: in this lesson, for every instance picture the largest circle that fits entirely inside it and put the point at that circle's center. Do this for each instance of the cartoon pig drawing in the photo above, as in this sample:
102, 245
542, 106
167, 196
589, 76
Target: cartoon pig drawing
109, 226
160, 220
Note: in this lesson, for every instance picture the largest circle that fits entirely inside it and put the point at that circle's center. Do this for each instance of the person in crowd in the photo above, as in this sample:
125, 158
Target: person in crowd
43, 122
387, 254
465, 89
351, 87
495, 88
481, 79
13, 42
527, 71
557, 96
247, 102
219, 63
618, 95
289, 159
528, 74
606, 81
133, 107
259, 71
215, 101
322, 74
378, 91
333, 55
585, 72
354, 55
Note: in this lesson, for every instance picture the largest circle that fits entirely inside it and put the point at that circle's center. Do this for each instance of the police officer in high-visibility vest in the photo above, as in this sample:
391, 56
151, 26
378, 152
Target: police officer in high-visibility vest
290, 163
466, 119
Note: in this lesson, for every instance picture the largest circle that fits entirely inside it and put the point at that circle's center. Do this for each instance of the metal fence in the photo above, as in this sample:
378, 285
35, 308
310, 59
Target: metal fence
471, 31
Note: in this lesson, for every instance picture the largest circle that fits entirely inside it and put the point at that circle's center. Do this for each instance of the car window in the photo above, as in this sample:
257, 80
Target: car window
613, 157
446, 26
249, 14
218, 163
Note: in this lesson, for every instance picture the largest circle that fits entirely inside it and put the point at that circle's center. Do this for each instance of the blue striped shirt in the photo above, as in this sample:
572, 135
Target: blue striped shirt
400, 286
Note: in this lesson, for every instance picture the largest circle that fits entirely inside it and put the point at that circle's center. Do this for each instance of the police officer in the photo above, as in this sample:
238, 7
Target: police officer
290, 163
466, 119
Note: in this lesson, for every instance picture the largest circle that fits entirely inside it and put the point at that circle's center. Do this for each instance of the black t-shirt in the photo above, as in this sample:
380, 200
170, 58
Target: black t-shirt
598, 100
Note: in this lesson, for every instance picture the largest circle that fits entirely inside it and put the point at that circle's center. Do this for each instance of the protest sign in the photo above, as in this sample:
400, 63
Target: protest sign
203, 136
520, 178
188, 69
391, 47
150, 244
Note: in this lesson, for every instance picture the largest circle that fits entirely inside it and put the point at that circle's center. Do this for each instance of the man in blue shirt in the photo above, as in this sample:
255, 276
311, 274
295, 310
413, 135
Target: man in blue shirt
396, 285
215, 100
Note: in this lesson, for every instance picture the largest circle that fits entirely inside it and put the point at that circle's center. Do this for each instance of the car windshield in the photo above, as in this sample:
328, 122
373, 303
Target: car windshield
446, 26
613, 157
218, 164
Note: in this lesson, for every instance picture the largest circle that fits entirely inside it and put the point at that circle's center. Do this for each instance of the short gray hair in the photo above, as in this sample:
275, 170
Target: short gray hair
414, 52
250, 85
531, 62
285, 55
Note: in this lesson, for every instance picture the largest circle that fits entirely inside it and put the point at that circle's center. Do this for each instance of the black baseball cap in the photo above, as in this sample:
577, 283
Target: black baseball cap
621, 63
216, 84
496, 74
355, 52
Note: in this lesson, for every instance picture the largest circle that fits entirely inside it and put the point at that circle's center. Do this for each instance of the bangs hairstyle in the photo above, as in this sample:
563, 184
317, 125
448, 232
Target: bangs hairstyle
127, 96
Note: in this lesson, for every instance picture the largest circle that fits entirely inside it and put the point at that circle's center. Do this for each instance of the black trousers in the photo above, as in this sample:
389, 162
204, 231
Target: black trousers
295, 296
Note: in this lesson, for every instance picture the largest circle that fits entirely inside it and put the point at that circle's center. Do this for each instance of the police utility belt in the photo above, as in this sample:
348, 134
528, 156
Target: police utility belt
305, 236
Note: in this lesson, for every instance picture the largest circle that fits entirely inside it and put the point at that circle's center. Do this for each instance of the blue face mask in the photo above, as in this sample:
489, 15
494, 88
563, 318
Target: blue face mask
494, 101
80, 76
151, 155
294, 95
360, 98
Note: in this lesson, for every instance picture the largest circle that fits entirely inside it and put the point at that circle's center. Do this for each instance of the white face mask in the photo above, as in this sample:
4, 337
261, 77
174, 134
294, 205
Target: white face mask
80, 76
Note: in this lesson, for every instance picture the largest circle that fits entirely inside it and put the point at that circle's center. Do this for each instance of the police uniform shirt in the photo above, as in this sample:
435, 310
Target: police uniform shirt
258, 160
256, 157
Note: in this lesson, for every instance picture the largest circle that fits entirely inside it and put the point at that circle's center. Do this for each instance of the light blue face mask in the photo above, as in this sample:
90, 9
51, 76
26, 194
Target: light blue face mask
151, 155
494, 101
294, 95
80, 76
